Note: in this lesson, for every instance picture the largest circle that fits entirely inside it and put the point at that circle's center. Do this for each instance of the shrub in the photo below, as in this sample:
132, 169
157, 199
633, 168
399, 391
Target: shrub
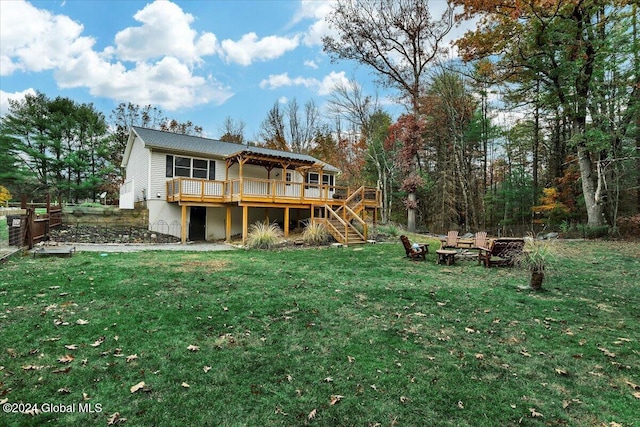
629, 226
390, 230
263, 236
315, 234
589, 232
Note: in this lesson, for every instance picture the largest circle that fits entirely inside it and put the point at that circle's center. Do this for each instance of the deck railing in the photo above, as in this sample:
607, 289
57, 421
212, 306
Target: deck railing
258, 190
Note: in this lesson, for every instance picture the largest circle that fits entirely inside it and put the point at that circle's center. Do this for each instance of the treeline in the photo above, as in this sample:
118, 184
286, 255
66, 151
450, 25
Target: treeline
70, 150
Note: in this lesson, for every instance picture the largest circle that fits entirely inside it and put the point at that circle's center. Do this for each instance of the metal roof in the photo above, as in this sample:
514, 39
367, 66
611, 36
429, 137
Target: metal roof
195, 145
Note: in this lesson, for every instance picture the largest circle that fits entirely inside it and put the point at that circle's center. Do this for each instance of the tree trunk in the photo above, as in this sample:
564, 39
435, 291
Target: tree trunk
589, 188
411, 213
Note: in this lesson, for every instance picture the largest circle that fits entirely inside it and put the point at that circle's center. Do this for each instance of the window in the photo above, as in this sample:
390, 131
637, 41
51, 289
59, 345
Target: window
328, 180
183, 166
288, 177
190, 168
313, 178
200, 168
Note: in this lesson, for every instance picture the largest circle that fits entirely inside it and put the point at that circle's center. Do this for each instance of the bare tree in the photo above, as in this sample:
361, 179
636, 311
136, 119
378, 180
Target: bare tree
399, 39
232, 130
302, 126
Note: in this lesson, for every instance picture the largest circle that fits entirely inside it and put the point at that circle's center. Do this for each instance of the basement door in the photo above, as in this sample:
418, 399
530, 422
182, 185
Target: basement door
197, 223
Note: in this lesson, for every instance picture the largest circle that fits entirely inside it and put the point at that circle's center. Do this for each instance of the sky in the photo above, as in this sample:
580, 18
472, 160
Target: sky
197, 60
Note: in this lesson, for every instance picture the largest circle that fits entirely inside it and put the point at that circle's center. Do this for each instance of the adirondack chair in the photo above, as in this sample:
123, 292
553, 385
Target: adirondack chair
480, 240
501, 252
451, 242
414, 252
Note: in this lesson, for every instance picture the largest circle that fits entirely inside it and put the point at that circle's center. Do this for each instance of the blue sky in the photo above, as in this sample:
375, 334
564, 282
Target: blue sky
196, 60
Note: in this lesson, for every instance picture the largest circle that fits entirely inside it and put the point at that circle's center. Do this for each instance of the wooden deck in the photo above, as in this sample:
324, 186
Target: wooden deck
251, 190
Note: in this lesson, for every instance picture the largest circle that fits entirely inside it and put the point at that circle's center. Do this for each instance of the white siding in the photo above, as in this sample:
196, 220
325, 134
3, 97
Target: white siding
165, 217
138, 170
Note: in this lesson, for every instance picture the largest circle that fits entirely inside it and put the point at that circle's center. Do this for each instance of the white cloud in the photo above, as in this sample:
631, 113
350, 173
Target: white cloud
311, 64
322, 88
167, 83
16, 96
316, 11
36, 40
330, 82
275, 81
249, 48
283, 100
165, 31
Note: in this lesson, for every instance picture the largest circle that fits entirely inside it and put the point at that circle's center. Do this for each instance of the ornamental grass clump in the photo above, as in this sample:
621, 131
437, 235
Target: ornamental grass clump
536, 257
263, 236
315, 234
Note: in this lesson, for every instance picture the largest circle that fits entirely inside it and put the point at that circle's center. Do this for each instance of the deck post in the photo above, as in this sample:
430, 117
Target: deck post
286, 222
183, 232
228, 224
245, 225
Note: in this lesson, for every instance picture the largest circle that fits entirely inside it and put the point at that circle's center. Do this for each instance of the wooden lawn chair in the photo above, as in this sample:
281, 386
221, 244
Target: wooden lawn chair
452, 240
480, 240
418, 252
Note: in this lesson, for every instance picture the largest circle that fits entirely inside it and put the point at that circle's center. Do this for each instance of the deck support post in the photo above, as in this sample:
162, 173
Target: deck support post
228, 224
286, 222
245, 225
183, 232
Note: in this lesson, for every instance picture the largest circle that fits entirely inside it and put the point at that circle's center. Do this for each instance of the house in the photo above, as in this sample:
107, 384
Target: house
202, 189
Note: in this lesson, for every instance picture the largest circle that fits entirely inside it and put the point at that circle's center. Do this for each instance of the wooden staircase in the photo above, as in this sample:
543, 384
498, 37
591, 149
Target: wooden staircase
345, 223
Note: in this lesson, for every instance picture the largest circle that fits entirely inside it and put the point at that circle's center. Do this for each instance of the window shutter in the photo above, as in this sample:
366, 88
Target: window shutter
169, 167
212, 170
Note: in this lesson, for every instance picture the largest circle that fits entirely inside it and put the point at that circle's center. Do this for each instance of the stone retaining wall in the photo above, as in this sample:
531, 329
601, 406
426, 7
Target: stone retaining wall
80, 215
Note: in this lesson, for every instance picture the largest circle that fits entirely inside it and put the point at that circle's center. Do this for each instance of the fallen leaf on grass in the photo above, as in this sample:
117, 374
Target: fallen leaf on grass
535, 413
351, 359
636, 394
614, 424
469, 330
71, 347
206, 369
479, 356
115, 418
185, 385
62, 370
560, 371
524, 353
85, 396
64, 391
131, 358
98, 342
335, 398
137, 387
312, 414
192, 347
328, 380
606, 352
632, 385
32, 367
67, 358
82, 322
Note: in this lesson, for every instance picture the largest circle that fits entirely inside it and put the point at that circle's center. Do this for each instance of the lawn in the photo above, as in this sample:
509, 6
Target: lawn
355, 336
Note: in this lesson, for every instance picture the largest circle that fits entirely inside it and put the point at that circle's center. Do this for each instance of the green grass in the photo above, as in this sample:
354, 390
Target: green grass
4, 232
403, 343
